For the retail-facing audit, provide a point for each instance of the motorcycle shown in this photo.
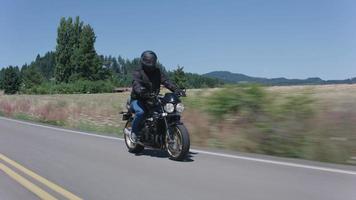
(162, 128)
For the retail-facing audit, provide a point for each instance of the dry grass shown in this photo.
(84, 111)
(329, 133)
(335, 107)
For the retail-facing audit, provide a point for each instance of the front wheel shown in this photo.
(178, 148)
(132, 147)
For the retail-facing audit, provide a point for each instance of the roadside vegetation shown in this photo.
(90, 112)
(309, 122)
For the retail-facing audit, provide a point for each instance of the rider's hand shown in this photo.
(145, 95)
(180, 93)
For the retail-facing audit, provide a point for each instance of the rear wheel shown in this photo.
(178, 149)
(132, 147)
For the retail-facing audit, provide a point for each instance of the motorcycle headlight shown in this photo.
(169, 108)
(180, 107)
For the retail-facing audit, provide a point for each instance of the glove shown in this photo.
(180, 93)
(144, 93)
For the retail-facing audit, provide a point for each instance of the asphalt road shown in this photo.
(100, 168)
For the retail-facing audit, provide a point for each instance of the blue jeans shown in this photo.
(139, 111)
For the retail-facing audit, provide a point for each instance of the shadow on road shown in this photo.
(163, 154)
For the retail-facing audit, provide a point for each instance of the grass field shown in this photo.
(90, 112)
(318, 125)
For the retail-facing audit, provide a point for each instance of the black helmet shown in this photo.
(148, 60)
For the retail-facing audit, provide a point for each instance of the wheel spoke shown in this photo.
(175, 149)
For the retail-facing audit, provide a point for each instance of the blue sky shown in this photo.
(274, 38)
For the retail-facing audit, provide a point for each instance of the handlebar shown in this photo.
(154, 95)
(181, 93)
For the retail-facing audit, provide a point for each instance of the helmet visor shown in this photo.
(149, 59)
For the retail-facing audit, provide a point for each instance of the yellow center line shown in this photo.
(40, 179)
(27, 184)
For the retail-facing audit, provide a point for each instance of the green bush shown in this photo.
(274, 125)
(285, 125)
(249, 99)
(81, 86)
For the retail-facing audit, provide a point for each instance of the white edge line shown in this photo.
(63, 130)
(289, 164)
(283, 163)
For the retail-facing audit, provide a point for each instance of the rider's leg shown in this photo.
(139, 117)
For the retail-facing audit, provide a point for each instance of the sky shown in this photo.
(274, 38)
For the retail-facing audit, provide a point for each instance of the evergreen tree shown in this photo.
(179, 77)
(115, 66)
(23, 68)
(2, 75)
(12, 81)
(31, 77)
(45, 65)
(121, 62)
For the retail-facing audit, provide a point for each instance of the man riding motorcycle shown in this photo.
(147, 80)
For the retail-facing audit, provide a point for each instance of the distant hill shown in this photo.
(229, 77)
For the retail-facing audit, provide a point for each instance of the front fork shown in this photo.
(164, 116)
(168, 132)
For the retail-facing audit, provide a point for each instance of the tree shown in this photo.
(2, 75)
(45, 65)
(11, 80)
(76, 57)
(121, 62)
(31, 77)
(64, 50)
(87, 62)
(179, 77)
(75, 42)
(115, 66)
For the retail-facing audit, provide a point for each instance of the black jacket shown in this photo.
(149, 82)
